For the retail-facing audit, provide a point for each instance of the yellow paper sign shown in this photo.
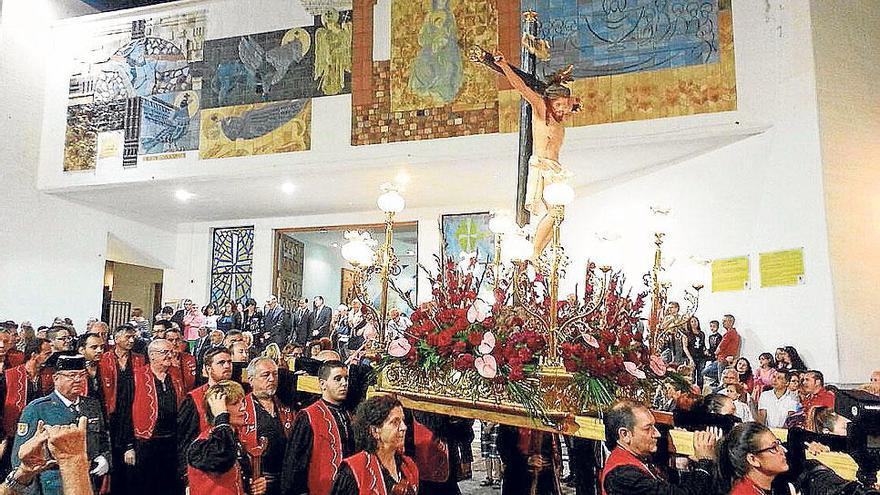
(730, 274)
(781, 268)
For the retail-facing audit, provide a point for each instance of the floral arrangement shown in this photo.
(503, 345)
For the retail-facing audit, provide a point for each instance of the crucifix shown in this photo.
(543, 110)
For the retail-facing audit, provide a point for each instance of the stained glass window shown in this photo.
(232, 264)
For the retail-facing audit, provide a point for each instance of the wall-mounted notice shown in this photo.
(780, 268)
(730, 274)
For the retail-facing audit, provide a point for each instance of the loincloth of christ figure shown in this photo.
(551, 103)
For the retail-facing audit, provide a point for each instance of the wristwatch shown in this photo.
(13, 484)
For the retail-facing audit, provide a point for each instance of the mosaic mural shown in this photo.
(232, 264)
(429, 66)
(684, 66)
(85, 122)
(256, 129)
(169, 123)
(301, 62)
(146, 58)
(465, 235)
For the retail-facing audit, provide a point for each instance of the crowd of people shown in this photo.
(191, 400)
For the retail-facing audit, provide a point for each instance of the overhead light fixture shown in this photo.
(183, 195)
(288, 188)
(402, 178)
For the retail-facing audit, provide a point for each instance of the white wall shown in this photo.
(53, 250)
(321, 267)
(847, 41)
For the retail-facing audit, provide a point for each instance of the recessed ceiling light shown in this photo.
(288, 187)
(410, 252)
(183, 195)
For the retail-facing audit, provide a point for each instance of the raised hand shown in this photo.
(67, 441)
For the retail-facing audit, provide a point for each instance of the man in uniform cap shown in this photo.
(63, 407)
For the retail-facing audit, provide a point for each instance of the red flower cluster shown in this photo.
(520, 348)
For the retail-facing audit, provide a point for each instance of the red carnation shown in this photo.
(464, 362)
(475, 338)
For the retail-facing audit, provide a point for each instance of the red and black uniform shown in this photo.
(626, 474)
(187, 371)
(117, 389)
(18, 390)
(154, 416)
(322, 434)
(438, 444)
(363, 474)
(276, 429)
(217, 461)
(191, 422)
(516, 446)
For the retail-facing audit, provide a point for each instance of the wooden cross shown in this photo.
(527, 64)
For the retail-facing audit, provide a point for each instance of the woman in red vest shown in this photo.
(217, 461)
(380, 468)
(749, 458)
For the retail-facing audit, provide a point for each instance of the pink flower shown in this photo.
(478, 311)
(591, 341)
(399, 347)
(486, 366)
(488, 343)
(634, 370)
(658, 365)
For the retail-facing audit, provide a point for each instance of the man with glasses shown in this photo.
(631, 434)
(64, 407)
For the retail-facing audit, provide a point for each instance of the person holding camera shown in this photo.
(749, 458)
(631, 434)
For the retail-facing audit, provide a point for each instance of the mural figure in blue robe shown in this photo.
(437, 70)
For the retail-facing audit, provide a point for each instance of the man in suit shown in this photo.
(63, 407)
(319, 321)
(274, 322)
(300, 323)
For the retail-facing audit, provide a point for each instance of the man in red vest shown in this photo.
(21, 385)
(266, 417)
(322, 437)
(631, 434)
(116, 369)
(157, 396)
(191, 421)
(217, 460)
(10, 357)
(184, 363)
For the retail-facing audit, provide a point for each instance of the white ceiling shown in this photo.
(469, 170)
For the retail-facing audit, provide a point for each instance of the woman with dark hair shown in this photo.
(211, 316)
(779, 356)
(746, 376)
(380, 467)
(252, 321)
(749, 458)
(794, 360)
(230, 318)
(696, 345)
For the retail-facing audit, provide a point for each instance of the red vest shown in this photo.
(620, 457)
(16, 398)
(745, 486)
(368, 473)
(188, 370)
(14, 357)
(109, 366)
(198, 398)
(204, 483)
(249, 434)
(145, 410)
(326, 448)
(431, 454)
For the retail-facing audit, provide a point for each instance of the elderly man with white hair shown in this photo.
(397, 325)
(267, 418)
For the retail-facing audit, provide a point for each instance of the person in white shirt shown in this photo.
(736, 391)
(776, 404)
(397, 325)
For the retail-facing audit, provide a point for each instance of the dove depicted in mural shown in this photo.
(169, 122)
(268, 67)
(260, 121)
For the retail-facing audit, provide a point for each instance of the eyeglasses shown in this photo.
(776, 448)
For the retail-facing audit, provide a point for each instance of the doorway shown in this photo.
(128, 289)
(308, 263)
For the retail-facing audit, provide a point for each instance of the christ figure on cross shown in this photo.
(551, 103)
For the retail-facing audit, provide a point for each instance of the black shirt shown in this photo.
(295, 472)
(271, 428)
(166, 421)
(121, 427)
(630, 480)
